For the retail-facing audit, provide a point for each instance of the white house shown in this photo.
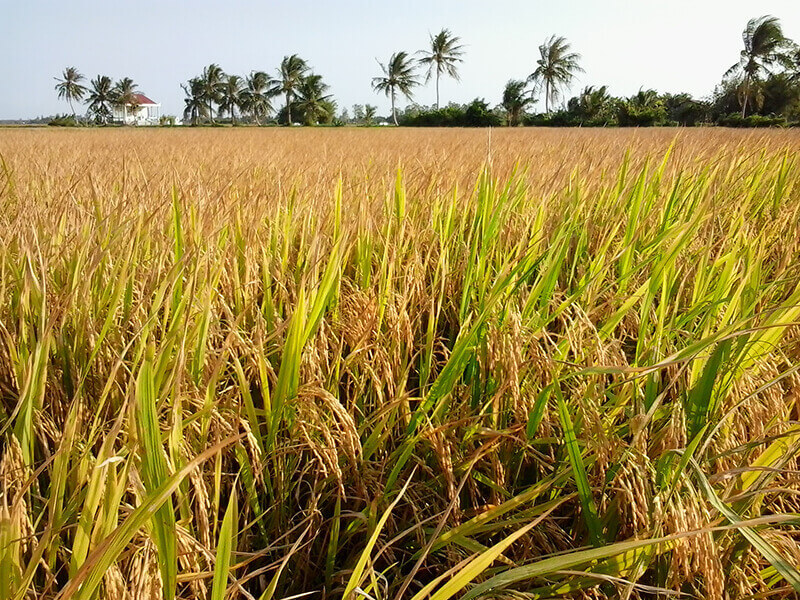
(141, 111)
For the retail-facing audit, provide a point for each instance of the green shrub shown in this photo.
(64, 121)
(475, 114)
(736, 120)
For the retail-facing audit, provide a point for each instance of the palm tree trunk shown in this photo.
(547, 97)
(210, 111)
(288, 108)
(233, 116)
(69, 99)
(746, 95)
(394, 112)
(437, 89)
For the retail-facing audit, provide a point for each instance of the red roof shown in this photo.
(141, 99)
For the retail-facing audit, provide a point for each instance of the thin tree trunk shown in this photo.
(394, 112)
(288, 108)
(547, 97)
(233, 116)
(70, 106)
(437, 89)
(746, 96)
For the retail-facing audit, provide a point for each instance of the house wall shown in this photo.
(147, 114)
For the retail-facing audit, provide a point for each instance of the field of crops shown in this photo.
(387, 363)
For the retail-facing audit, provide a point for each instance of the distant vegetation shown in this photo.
(761, 89)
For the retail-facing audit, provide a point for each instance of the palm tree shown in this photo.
(398, 75)
(259, 88)
(230, 95)
(124, 94)
(100, 98)
(515, 100)
(369, 113)
(195, 101)
(645, 99)
(311, 100)
(644, 109)
(556, 68)
(764, 46)
(795, 60)
(291, 72)
(69, 86)
(212, 79)
(592, 103)
(444, 55)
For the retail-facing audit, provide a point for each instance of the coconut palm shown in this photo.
(398, 75)
(515, 100)
(125, 94)
(369, 113)
(259, 89)
(230, 95)
(644, 109)
(212, 77)
(556, 68)
(750, 94)
(442, 58)
(794, 57)
(69, 86)
(101, 97)
(592, 103)
(311, 100)
(645, 99)
(195, 105)
(290, 73)
(764, 47)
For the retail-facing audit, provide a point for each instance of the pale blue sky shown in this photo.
(678, 45)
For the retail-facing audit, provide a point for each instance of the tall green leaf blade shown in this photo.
(154, 467)
(225, 547)
(579, 471)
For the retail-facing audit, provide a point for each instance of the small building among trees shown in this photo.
(139, 110)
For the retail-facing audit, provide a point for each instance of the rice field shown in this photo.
(399, 364)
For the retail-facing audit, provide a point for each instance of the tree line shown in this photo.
(761, 88)
(101, 97)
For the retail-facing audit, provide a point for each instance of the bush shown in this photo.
(565, 118)
(684, 110)
(475, 114)
(478, 114)
(64, 121)
(736, 120)
(630, 115)
(560, 118)
(449, 116)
